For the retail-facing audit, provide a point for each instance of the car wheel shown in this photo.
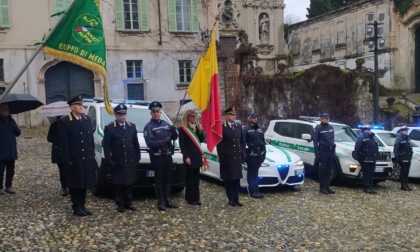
(99, 188)
(395, 171)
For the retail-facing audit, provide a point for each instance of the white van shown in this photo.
(139, 114)
(296, 135)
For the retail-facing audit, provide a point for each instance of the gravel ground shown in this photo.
(38, 218)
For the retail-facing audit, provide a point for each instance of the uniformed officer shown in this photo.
(158, 135)
(122, 154)
(366, 152)
(78, 152)
(231, 152)
(403, 153)
(255, 152)
(324, 148)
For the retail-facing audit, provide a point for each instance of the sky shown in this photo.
(296, 9)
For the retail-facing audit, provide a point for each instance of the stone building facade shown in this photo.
(338, 38)
(152, 50)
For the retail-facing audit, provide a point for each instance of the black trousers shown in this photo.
(405, 170)
(192, 184)
(326, 164)
(163, 169)
(78, 197)
(368, 168)
(253, 163)
(123, 195)
(232, 189)
(9, 165)
(62, 173)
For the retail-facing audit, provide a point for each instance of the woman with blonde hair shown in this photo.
(191, 135)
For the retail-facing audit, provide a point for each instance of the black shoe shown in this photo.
(256, 195)
(121, 209)
(238, 203)
(368, 190)
(87, 211)
(324, 191)
(79, 212)
(408, 188)
(171, 204)
(198, 203)
(330, 191)
(373, 190)
(64, 192)
(161, 205)
(130, 207)
(232, 203)
(404, 188)
(194, 203)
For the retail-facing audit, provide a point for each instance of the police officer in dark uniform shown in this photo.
(122, 154)
(366, 152)
(78, 152)
(255, 152)
(231, 152)
(324, 148)
(159, 135)
(403, 153)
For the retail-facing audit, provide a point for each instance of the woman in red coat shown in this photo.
(190, 137)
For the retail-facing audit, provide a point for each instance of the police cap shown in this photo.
(403, 128)
(325, 115)
(231, 110)
(366, 127)
(76, 100)
(120, 109)
(252, 114)
(155, 106)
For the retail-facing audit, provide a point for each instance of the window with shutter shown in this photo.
(132, 15)
(4, 14)
(182, 15)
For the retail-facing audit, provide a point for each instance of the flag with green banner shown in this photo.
(79, 38)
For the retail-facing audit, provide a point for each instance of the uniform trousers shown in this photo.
(9, 165)
(192, 184)
(232, 189)
(405, 170)
(326, 163)
(368, 168)
(163, 169)
(78, 197)
(253, 164)
(62, 173)
(123, 195)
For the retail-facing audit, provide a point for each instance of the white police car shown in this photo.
(296, 135)
(386, 140)
(139, 114)
(280, 168)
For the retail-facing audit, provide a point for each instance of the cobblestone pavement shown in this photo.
(38, 218)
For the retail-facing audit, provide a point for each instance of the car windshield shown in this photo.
(140, 117)
(389, 138)
(343, 133)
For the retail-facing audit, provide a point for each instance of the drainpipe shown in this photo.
(160, 24)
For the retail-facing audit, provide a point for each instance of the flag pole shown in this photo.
(15, 80)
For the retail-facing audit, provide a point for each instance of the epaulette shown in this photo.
(70, 117)
(128, 123)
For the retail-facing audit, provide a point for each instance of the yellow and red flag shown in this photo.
(79, 38)
(204, 92)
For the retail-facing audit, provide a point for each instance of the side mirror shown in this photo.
(307, 137)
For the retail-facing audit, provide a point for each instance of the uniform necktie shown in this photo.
(232, 126)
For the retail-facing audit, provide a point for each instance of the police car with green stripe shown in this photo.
(280, 168)
(139, 114)
(295, 135)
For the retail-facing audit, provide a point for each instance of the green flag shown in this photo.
(79, 38)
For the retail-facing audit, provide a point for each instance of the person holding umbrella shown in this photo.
(8, 147)
(77, 149)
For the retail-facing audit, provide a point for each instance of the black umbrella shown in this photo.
(19, 103)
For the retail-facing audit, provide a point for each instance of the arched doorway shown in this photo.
(66, 80)
(417, 64)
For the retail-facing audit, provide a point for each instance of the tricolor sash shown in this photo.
(191, 134)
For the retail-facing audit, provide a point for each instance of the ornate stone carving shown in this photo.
(228, 15)
(265, 49)
(263, 4)
(264, 27)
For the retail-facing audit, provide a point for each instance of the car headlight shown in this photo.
(298, 163)
(353, 167)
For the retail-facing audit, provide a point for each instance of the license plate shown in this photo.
(299, 172)
(150, 173)
(379, 169)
